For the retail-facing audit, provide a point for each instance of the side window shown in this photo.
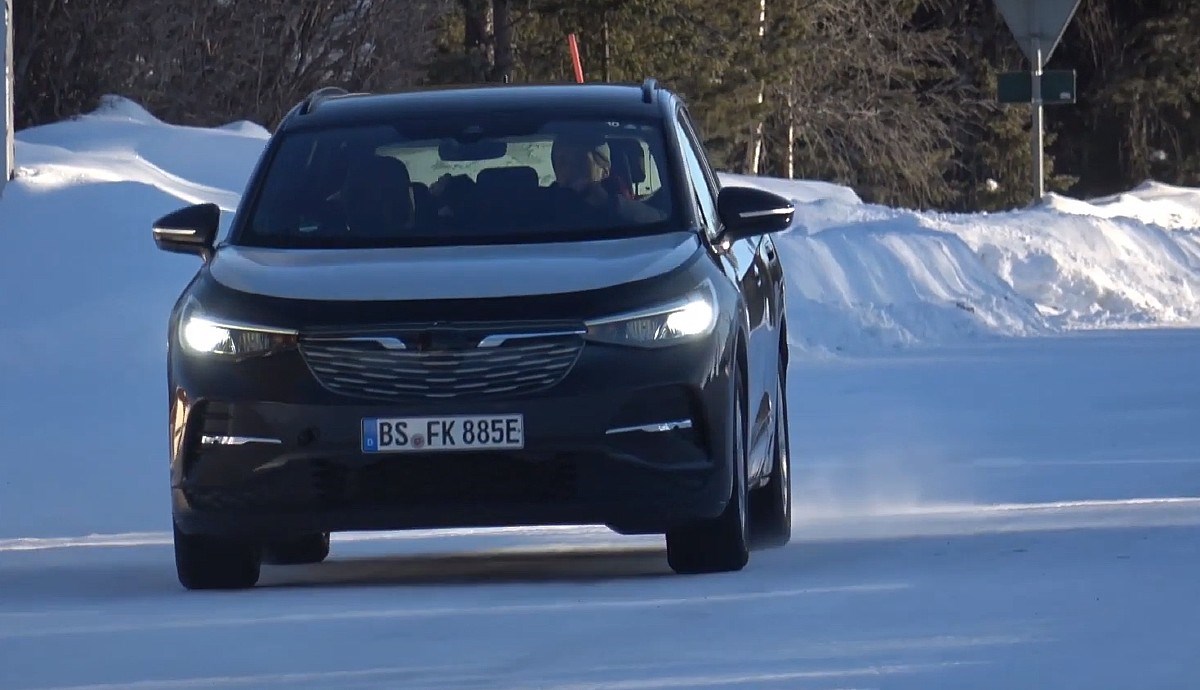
(714, 185)
(705, 195)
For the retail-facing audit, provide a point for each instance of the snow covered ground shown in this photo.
(998, 474)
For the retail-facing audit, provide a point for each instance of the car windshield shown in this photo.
(485, 179)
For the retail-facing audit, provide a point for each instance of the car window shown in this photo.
(705, 197)
(710, 176)
(457, 181)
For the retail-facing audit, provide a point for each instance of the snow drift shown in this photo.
(866, 277)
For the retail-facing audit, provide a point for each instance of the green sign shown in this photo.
(1058, 87)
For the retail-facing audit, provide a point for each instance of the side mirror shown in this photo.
(746, 212)
(190, 230)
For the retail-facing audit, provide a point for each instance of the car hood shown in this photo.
(449, 272)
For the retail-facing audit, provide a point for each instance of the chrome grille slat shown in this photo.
(502, 376)
(365, 369)
(350, 365)
(346, 380)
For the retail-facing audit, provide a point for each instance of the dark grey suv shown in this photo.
(510, 305)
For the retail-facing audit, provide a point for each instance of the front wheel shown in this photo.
(205, 562)
(720, 544)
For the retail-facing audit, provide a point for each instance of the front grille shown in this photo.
(367, 368)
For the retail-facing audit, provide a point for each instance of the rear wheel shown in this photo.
(205, 562)
(771, 505)
(310, 548)
(722, 543)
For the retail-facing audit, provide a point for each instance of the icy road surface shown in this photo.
(1012, 515)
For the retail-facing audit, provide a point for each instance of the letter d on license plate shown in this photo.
(438, 434)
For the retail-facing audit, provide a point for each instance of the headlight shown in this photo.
(203, 334)
(693, 316)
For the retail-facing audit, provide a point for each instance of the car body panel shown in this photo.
(436, 102)
(752, 265)
(438, 273)
(310, 464)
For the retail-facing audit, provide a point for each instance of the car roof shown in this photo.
(602, 99)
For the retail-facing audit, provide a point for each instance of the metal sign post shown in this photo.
(1038, 26)
(7, 153)
(1038, 144)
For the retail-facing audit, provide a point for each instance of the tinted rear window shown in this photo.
(493, 179)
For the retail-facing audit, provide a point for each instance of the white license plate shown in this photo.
(436, 434)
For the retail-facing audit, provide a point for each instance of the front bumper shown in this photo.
(307, 473)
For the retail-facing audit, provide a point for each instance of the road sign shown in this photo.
(1058, 87)
(1038, 26)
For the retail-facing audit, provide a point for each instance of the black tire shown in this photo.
(720, 544)
(310, 548)
(771, 505)
(204, 562)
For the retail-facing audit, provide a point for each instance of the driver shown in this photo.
(582, 164)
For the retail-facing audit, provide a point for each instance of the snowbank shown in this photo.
(83, 297)
(121, 142)
(866, 278)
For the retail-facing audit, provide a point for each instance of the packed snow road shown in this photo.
(1015, 514)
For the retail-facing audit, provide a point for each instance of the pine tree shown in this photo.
(1153, 95)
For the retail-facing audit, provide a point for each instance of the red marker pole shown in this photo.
(573, 43)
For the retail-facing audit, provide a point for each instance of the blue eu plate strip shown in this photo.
(370, 440)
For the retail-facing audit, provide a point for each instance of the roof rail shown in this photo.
(315, 98)
(649, 86)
